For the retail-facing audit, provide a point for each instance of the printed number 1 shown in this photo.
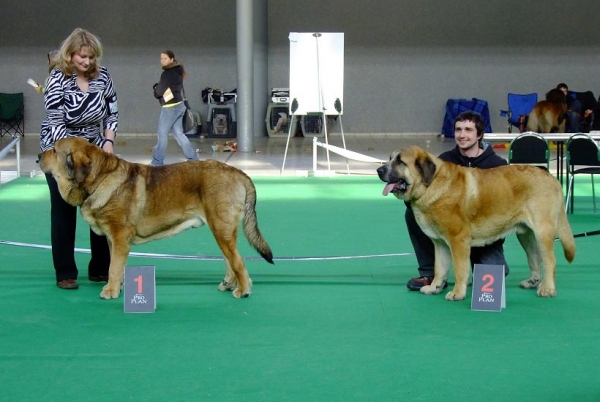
(487, 287)
(140, 281)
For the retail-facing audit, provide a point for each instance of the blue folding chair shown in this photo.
(454, 107)
(519, 106)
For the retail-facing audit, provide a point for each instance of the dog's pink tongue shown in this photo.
(388, 188)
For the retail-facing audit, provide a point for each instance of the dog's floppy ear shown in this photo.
(426, 167)
(78, 166)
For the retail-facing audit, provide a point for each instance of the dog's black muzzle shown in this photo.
(384, 173)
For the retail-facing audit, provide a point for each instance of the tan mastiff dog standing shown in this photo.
(460, 207)
(131, 203)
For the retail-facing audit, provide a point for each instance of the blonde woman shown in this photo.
(80, 101)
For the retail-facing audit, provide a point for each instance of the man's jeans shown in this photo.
(574, 117)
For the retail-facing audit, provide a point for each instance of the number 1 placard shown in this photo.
(139, 289)
(489, 293)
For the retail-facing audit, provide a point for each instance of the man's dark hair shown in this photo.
(562, 85)
(475, 118)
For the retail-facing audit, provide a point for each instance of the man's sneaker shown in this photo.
(418, 283)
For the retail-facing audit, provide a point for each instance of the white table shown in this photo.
(560, 139)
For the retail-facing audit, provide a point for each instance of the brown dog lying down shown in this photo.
(132, 203)
(460, 207)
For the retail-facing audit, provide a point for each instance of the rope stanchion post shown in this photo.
(294, 107)
(315, 154)
(338, 107)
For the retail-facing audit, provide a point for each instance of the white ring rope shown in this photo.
(209, 257)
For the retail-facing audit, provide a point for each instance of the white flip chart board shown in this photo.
(316, 72)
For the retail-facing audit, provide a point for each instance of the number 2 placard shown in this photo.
(139, 289)
(489, 293)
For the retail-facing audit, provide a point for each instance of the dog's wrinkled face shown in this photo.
(69, 164)
(67, 160)
(406, 170)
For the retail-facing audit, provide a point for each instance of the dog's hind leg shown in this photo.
(530, 245)
(223, 217)
(230, 282)
(240, 274)
(545, 236)
(234, 265)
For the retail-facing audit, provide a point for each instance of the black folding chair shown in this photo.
(529, 148)
(583, 157)
(12, 117)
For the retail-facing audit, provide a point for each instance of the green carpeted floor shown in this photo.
(313, 330)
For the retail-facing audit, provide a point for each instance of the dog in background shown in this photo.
(131, 203)
(220, 125)
(549, 116)
(460, 207)
(281, 122)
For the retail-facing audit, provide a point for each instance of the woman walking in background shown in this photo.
(169, 92)
(80, 101)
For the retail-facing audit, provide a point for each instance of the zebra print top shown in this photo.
(70, 112)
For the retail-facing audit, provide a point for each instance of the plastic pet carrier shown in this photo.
(278, 119)
(221, 121)
(312, 125)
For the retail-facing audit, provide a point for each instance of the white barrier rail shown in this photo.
(343, 152)
(15, 143)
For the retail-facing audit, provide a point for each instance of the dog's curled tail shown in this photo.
(251, 230)
(565, 235)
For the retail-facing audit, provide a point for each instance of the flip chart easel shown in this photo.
(316, 78)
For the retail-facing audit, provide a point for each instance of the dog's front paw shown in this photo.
(530, 283)
(546, 291)
(430, 290)
(110, 292)
(454, 295)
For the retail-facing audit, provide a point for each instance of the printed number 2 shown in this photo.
(140, 281)
(486, 287)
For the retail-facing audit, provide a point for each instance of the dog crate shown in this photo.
(278, 119)
(312, 125)
(221, 121)
(280, 95)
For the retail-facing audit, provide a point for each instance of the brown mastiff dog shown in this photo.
(131, 203)
(460, 207)
(549, 116)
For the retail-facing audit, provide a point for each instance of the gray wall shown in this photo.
(403, 59)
